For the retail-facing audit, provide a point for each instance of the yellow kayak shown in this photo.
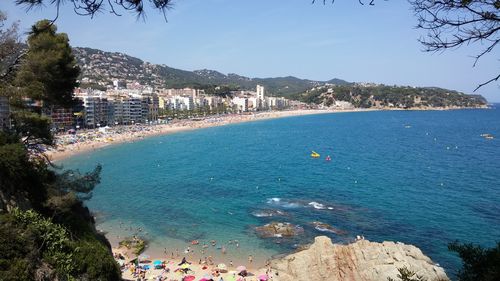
(315, 155)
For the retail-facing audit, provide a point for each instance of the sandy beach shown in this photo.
(170, 268)
(68, 145)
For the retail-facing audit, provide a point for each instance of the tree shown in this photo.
(369, 2)
(49, 71)
(477, 263)
(9, 47)
(42, 215)
(91, 7)
(451, 24)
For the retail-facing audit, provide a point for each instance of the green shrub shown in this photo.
(93, 261)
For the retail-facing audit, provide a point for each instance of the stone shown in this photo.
(359, 261)
(279, 229)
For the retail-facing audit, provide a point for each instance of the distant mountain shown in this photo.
(100, 68)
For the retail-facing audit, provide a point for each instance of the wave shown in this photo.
(317, 205)
(283, 203)
(268, 213)
(323, 229)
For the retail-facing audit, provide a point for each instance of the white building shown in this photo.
(260, 92)
(240, 103)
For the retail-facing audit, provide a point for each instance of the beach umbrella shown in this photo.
(157, 263)
(222, 266)
(189, 278)
(241, 268)
(263, 277)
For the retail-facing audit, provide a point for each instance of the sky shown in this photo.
(274, 38)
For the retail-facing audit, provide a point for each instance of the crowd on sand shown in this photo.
(175, 268)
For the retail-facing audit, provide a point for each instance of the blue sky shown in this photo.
(270, 38)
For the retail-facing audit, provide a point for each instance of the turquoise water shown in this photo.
(420, 177)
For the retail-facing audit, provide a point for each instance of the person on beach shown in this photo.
(184, 261)
(231, 263)
(250, 259)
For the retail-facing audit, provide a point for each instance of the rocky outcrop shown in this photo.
(279, 229)
(359, 261)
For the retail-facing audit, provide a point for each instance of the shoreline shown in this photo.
(94, 140)
(138, 132)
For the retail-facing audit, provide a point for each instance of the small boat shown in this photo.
(487, 136)
(328, 158)
(314, 154)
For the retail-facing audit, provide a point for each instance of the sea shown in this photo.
(425, 178)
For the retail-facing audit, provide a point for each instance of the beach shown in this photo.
(170, 266)
(68, 145)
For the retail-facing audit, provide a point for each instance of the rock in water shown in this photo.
(359, 261)
(278, 229)
(321, 226)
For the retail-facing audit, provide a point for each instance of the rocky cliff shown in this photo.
(359, 261)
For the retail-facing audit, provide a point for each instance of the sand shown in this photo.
(197, 269)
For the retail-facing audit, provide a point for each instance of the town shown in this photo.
(132, 103)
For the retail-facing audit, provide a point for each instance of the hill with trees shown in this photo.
(100, 68)
(383, 96)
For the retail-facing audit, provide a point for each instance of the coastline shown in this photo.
(130, 134)
(156, 252)
(66, 150)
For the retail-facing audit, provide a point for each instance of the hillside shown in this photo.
(100, 68)
(371, 95)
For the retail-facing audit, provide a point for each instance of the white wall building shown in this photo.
(241, 103)
(260, 92)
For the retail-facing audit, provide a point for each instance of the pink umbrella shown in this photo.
(241, 268)
(188, 278)
(263, 277)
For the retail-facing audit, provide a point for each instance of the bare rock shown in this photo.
(279, 229)
(359, 261)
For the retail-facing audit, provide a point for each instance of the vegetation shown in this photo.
(49, 70)
(136, 244)
(366, 96)
(101, 68)
(46, 233)
(455, 23)
(478, 263)
(407, 275)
